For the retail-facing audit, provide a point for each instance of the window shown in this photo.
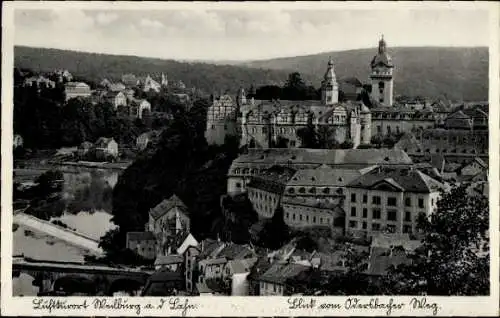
(314, 219)
(420, 202)
(376, 213)
(353, 211)
(326, 190)
(365, 198)
(300, 217)
(407, 229)
(391, 228)
(408, 201)
(353, 197)
(391, 201)
(292, 143)
(302, 190)
(392, 215)
(321, 220)
(312, 190)
(307, 218)
(365, 213)
(264, 130)
(291, 190)
(238, 185)
(379, 129)
(375, 227)
(376, 200)
(288, 215)
(407, 216)
(293, 216)
(364, 225)
(353, 224)
(225, 127)
(213, 126)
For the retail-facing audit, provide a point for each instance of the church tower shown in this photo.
(329, 86)
(381, 75)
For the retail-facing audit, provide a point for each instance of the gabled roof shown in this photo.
(324, 175)
(103, 142)
(240, 266)
(189, 241)
(166, 205)
(169, 259)
(140, 236)
(213, 261)
(404, 179)
(280, 273)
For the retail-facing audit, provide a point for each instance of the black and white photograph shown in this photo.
(250, 151)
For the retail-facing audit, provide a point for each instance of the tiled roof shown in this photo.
(388, 241)
(259, 267)
(240, 266)
(331, 262)
(169, 259)
(213, 261)
(381, 259)
(208, 246)
(324, 175)
(405, 179)
(140, 236)
(292, 156)
(235, 251)
(310, 202)
(166, 205)
(273, 179)
(281, 273)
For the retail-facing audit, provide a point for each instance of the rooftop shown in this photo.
(397, 179)
(280, 273)
(166, 205)
(169, 259)
(291, 156)
(325, 175)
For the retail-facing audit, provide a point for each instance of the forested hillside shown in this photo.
(95, 67)
(456, 73)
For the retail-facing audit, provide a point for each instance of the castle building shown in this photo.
(222, 119)
(381, 75)
(275, 123)
(265, 124)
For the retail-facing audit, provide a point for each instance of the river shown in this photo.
(88, 198)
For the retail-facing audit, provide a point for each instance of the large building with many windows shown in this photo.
(389, 199)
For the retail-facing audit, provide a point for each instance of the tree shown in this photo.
(275, 232)
(454, 256)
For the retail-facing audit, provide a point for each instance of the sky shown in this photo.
(243, 34)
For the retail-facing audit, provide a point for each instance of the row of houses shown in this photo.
(211, 267)
(358, 192)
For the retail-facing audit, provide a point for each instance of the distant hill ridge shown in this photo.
(455, 73)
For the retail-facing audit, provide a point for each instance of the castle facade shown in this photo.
(268, 124)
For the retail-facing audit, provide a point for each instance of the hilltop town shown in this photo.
(272, 190)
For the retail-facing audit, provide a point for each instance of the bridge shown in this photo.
(51, 275)
(68, 235)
